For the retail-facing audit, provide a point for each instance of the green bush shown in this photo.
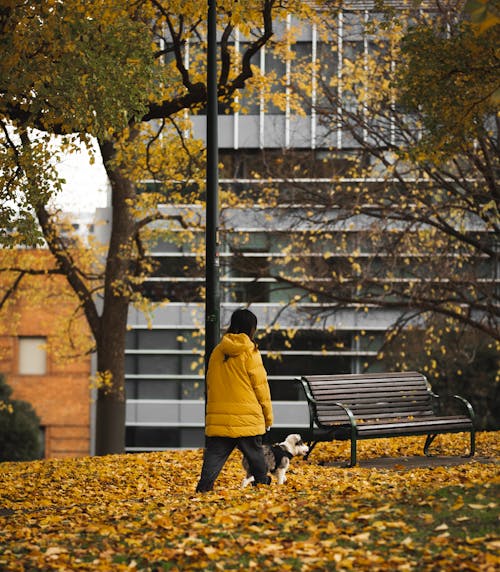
(19, 428)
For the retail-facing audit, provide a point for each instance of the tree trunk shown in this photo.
(111, 338)
(110, 424)
(110, 410)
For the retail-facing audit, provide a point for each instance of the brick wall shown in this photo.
(60, 396)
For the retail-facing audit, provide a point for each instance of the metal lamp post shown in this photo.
(212, 293)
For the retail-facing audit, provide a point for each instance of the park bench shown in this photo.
(375, 405)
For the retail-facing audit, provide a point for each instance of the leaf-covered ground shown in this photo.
(140, 512)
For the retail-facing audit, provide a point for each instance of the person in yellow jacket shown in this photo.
(238, 409)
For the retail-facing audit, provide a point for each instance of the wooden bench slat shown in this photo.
(353, 379)
(377, 384)
(374, 413)
(369, 418)
(379, 400)
(370, 391)
(433, 422)
(374, 396)
(359, 385)
(416, 404)
(380, 403)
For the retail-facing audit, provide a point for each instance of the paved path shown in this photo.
(416, 462)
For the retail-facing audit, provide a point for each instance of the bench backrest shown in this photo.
(370, 396)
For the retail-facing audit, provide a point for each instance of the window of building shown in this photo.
(180, 291)
(154, 438)
(32, 356)
(275, 67)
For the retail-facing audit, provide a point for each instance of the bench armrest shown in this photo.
(466, 404)
(349, 413)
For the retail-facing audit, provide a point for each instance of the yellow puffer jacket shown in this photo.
(238, 396)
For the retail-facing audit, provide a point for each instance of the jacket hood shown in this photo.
(236, 344)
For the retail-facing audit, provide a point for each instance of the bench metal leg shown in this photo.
(353, 451)
(428, 441)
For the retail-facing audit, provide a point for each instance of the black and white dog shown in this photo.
(278, 458)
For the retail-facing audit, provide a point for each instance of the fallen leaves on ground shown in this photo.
(140, 512)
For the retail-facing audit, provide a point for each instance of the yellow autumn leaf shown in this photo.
(408, 542)
(427, 518)
(362, 537)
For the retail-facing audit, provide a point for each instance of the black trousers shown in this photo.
(217, 451)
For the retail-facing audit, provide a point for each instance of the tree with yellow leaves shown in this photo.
(126, 74)
(408, 220)
(450, 74)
